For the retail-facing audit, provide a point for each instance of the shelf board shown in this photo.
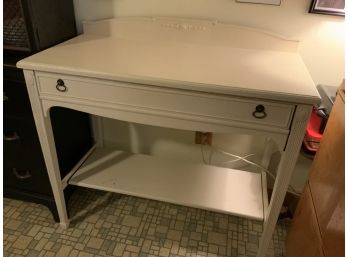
(195, 185)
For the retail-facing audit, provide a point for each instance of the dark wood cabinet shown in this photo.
(29, 27)
(33, 25)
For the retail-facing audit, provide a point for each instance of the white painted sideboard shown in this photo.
(195, 75)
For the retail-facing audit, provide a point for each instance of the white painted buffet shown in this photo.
(195, 75)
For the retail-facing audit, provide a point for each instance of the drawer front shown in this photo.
(165, 100)
(24, 167)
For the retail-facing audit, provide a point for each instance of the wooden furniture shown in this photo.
(318, 224)
(31, 26)
(187, 74)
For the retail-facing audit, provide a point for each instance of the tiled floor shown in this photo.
(107, 224)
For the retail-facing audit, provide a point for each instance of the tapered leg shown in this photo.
(44, 129)
(284, 173)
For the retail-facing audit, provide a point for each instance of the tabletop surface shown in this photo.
(192, 55)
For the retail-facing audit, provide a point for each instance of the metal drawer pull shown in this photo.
(259, 112)
(5, 98)
(60, 86)
(21, 174)
(11, 136)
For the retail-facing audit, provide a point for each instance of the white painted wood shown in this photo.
(270, 2)
(264, 192)
(196, 185)
(167, 120)
(194, 31)
(284, 173)
(97, 130)
(267, 153)
(45, 133)
(162, 118)
(178, 102)
(77, 166)
(179, 63)
(186, 74)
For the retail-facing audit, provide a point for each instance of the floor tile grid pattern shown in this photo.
(109, 224)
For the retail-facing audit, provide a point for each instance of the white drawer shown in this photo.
(178, 101)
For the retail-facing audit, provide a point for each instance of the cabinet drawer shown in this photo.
(162, 100)
(15, 99)
(24, 167)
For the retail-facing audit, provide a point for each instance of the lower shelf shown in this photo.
(196, 185)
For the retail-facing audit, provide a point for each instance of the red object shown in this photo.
(312, 137)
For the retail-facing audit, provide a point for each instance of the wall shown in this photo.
(321, 47)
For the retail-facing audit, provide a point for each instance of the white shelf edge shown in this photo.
(201, 186)
(77, 166)
(264, 192)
